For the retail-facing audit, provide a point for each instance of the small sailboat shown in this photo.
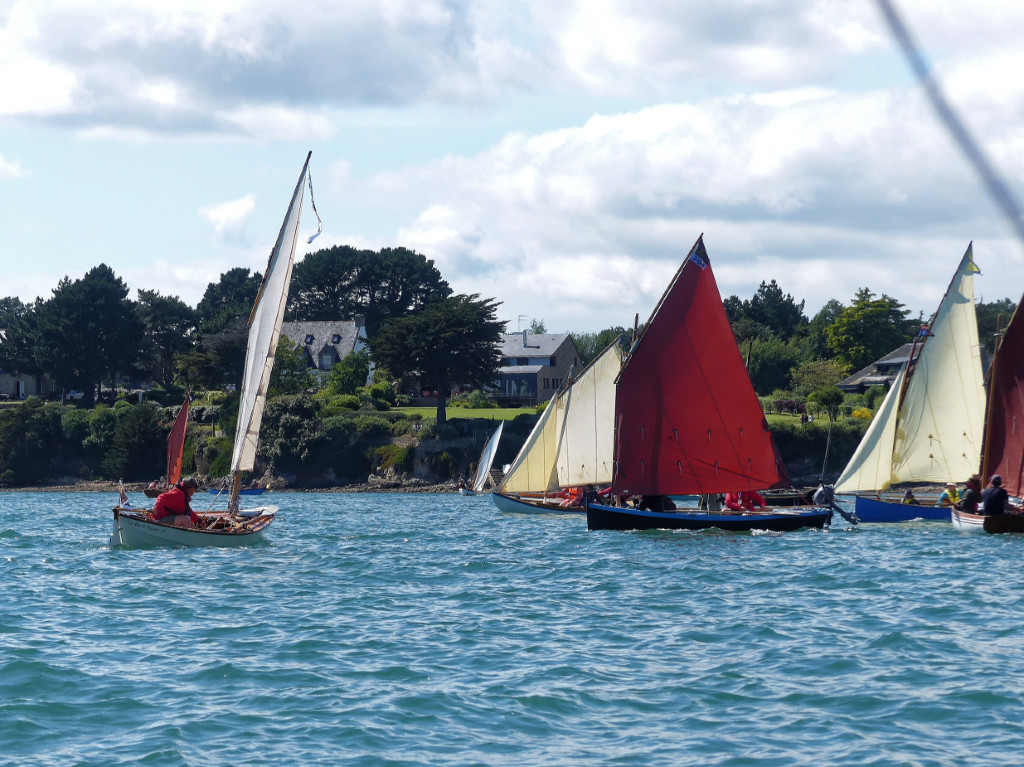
(929, 427)
(235, 526)
(1003, 449)
(688, 422)
(570, 447)
(175, 452)
(483, 468)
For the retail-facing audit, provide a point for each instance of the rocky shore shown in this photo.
(375, 485)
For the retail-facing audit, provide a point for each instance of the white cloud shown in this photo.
(229, 217)
(11, 168)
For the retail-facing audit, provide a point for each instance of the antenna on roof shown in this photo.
(519, 321)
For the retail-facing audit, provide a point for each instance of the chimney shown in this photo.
(524, 338)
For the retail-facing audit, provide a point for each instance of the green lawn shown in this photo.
(495, 413)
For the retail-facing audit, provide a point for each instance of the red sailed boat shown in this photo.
(1002, 452)
(175, 452)
(688, 421)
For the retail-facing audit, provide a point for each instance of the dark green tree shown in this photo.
(30, 436)
(139, 445)
(198, 370)
(170, 326)
(993, 317)
(341, 282)
(232, 296)
(19, 350)
(868, 329)
(782, 315)
(770, 363)
(89, 331)
(817, 329)
(451, 342)
(817, 374)
(11, 308)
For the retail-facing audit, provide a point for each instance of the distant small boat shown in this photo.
(175, 452)
(483, 468)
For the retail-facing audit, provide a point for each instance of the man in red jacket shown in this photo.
(173, 507)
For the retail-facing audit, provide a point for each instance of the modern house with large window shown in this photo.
(534, 367)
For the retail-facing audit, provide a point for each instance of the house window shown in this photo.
(554, 362)
(326, 360)
(309, 340)
(547, 383)
(336, 338)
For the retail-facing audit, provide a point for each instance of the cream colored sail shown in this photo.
(264, 332)
(533, 470)
(932, 434)
(588, 432)
(870, 468)
(942, 416)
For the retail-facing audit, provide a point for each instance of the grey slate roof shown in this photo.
(351, 337)
(537, 344)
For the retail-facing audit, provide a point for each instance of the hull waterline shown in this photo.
(778, 520)
(133, 528)
(876, 510)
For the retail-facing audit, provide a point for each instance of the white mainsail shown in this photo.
(938, 419)
(264, 332)
(586, 450)
(486, 459)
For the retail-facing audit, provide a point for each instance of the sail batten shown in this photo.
(688, 419)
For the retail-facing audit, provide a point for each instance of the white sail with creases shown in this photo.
(929, 427)
(264, 332)
(870, 468)
(533, 470)
(942, 416)
(486, 459)
(587, 446)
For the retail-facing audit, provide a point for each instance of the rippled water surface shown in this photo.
(431, 629)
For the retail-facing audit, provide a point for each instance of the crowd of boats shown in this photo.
(652, 437)
(677, 417)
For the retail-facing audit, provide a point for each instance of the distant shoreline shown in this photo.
(138, 487)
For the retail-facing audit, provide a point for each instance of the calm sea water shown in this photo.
(433, 630)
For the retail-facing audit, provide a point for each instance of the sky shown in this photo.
(560, 157)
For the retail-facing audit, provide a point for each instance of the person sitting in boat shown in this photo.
(174, 507)
(655, 503)
(994, 499)
(972, 495)
(154, 484)
(748, 500)
(909, 499)
(949, 496)
(462, 484)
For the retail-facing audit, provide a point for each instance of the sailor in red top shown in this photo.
(748, 499)
(173, 508)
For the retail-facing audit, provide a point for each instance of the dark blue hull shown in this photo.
(875, 510)
(778, 520)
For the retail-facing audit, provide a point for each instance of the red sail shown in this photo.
(1003, 451)
(176, 445)
(687, 417)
